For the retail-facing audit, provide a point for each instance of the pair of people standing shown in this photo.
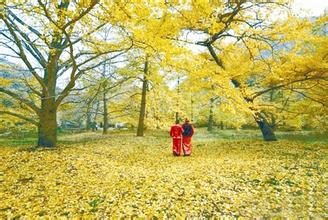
(181, 136)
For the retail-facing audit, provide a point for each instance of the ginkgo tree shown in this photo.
(218, 21)
(54, 40)
(236, 34)
(149, 26)
(297, 73)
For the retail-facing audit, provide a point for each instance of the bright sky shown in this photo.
(310, 7)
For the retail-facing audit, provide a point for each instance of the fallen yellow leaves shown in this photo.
(127, 176)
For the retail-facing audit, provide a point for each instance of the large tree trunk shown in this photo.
(267, 131)
(210, 117)
(140, 131)
(105, 119)
(47, 128)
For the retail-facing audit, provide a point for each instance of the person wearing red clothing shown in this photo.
(188, 132)
(176, 134)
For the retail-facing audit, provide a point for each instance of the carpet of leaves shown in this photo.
(126, 176)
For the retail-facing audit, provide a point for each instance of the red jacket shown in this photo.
(176, 131)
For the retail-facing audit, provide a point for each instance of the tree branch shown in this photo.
(32, 121)
(257, 94)
(29, 45)
(22, 53)
(21, 99)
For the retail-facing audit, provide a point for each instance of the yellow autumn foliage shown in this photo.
(124, 176)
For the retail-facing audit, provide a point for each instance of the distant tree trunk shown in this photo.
(210, 117)
(96, 113)
(105, 128)
(105, 111)
(140, 130)
(88, 118)
(88, 121)
(267, 131)
(221, 125)
(88, 112)
(191, 109)
(177, 116)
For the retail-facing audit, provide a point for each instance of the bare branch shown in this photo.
(30, 120)
(21, 99)
(22, 53)
(257, 94)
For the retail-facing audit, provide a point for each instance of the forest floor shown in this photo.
(235, 175)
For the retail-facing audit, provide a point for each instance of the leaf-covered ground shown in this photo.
(129, 176)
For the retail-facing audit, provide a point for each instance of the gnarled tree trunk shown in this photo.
(267, 131)
(88, 121)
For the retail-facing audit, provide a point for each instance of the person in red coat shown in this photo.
(176, 134)
(188, 132)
